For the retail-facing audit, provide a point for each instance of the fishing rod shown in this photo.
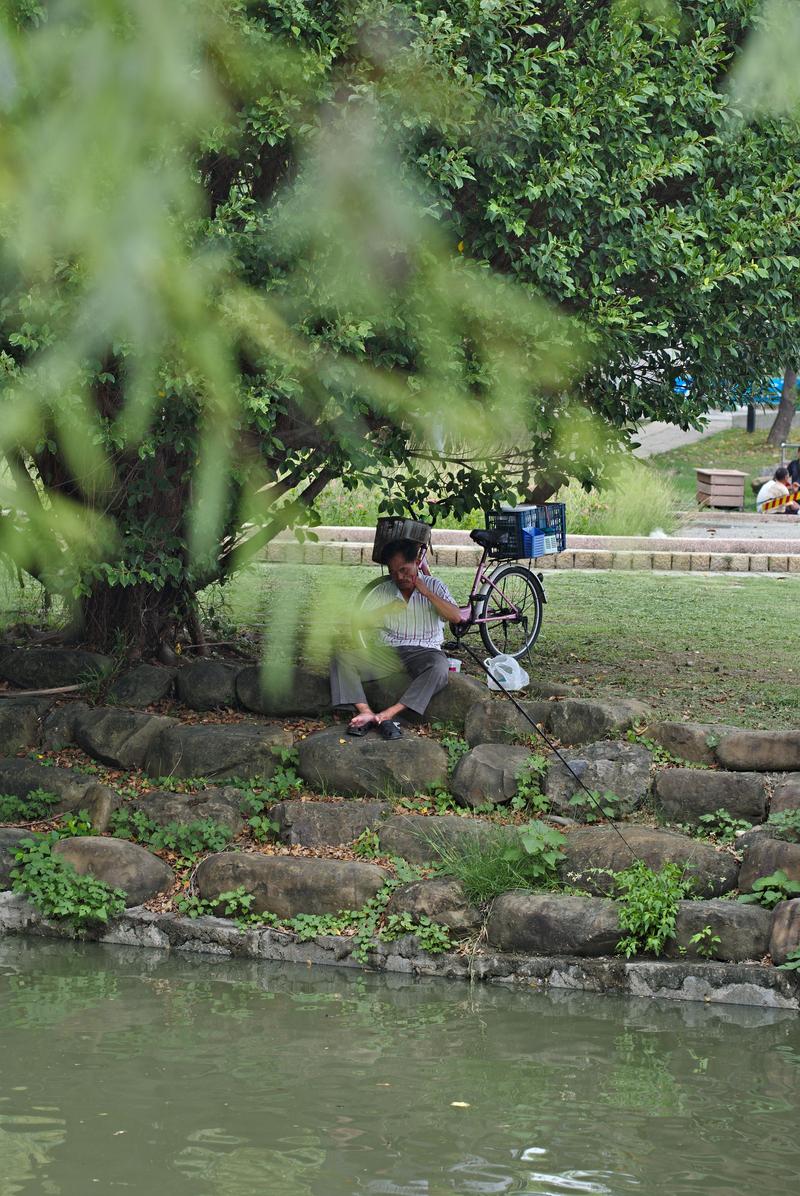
(550, 744)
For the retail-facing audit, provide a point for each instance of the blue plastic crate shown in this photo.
(538, 542)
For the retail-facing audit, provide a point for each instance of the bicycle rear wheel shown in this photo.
(513, 588)
(365, 637)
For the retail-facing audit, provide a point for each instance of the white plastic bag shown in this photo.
(507, 670)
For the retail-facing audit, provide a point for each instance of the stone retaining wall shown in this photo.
(712, 983)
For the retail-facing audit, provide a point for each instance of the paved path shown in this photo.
(658, 437)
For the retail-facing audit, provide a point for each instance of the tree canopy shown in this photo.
(249, 248)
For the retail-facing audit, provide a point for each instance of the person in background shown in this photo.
(778, 487)
(410, 610)
(794, 469)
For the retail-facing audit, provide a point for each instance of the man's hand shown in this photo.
(448, 610)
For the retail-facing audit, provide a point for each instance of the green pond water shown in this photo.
(139, 1072)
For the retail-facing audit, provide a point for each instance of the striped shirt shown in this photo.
(412, 624)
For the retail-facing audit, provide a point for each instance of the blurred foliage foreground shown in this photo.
(249, 248)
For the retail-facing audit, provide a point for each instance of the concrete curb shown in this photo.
(712, 983)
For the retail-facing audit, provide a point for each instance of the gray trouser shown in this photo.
(427, 666)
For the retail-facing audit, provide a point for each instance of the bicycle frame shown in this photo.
(481, 582)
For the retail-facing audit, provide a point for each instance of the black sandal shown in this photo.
(390, 730)
(357, 732)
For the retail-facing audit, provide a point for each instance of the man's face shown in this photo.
(403, 573)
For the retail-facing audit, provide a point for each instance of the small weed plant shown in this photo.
(662, 756)
(722, 826)
(367, 846)
(529, 796)
(792, 961)
(499, 859)
(36, 805)
(187, 840)
(787, 824)
(263, 828)
(705, 942)
(454, 744)
(58, 891)
(769, 890)
(235, 903)
(648, 906)
(76, 826)
(594, 807)
(284, 784)
(438, 801)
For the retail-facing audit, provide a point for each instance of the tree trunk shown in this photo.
(135, 620)
(782, 424)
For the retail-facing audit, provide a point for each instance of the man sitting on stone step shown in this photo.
(410, 610)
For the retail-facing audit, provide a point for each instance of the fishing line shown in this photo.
(551, 745)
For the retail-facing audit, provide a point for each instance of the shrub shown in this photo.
(648, 903)
(35, 805)
(58, 891)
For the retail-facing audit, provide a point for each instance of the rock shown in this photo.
(695, 742)
(786, 796)
(440, 900)
(495, 721)
(575, 720)
(219, 805)
(100, 802)
(742, 930)
(785, 930)
(47, 668)
(488, 774)
(306, 693)
(450, 705)
(550, 924)
(600, 847)
(550, 689)
(767, 856)
(142, 685)
(207, 684)
(287, 886)
(415, 837)
(120, 738)
(760, 751)
(620, 768)
(216, 750)
(326, 824)
(10, 839)
(685, 794)
(453, 703)
(58, 727)
(121, 864)
(336, 762)
(21, 723)
(756, 833)
(21, 777)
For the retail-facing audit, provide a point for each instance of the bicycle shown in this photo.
(506, 599)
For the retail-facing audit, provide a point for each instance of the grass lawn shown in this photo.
(703, 647)
(734, 449)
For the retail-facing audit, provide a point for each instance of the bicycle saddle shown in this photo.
(484, 537)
